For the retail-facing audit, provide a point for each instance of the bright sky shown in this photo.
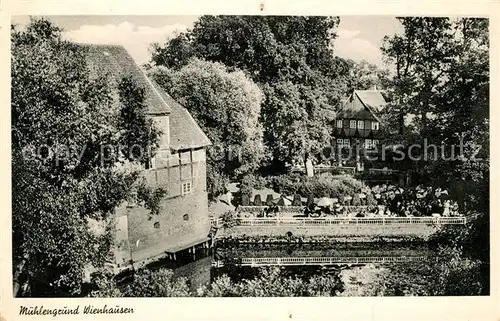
(359, 37)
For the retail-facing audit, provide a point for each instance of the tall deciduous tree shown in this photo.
(63, 189)
(139, 137)
(291, 57)
(442, 78)
(364, 75)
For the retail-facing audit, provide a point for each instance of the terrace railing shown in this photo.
(268, 261)
(350, 220)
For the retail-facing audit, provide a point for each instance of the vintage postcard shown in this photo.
(323, 155)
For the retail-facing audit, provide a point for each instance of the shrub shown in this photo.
(310, 200)
(318, 186)
(356, 201)
(297, 200)
(257, 200)
(269, 200)
(245, 200)
(160, 283)
(370, 200)
(229, 219)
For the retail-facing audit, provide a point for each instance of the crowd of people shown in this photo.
(382, 200)
(418, 201)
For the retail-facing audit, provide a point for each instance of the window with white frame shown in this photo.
(187, 188)
(339, 123)
(368, 143)
(375, 125)
(361, 124)
(340, 143)
(352, 124)
(347, 143)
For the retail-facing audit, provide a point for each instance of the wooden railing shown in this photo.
(267, 261)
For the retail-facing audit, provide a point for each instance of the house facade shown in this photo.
(357, 124)
(179, 167)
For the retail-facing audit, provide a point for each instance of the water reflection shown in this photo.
(300, 260)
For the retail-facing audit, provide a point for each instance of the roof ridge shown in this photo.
(97, 44)
(369, 108)
(150, 82)
(195, 123)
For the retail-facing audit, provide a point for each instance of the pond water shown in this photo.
(303, 261)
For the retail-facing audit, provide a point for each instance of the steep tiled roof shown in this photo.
(371, 103)
(372, 99)
(184, 131)
(115, 62)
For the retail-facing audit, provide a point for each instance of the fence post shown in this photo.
(383, 220)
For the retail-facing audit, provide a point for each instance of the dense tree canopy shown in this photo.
(292, 60)
(63, 187)
(442, 80)
(364, 75)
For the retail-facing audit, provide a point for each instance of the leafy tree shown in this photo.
(226, 104)
(61, 182)
(176, 54)
(364, 75)
(139, 137)
(442, 79)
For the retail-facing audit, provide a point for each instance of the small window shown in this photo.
(185, 217)
(352, 124)
(187, 188)
(347, 143)
(340, 143)
(156, 225)
(339, 123)
(368, 144)
(361, 124)
(375, 125)
(375, 142)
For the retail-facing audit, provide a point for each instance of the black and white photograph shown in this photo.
(249, 156)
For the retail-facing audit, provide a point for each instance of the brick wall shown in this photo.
(183, 219)
(171, 228)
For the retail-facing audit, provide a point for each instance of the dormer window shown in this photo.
(361, 124)
(375, 125)
(352, 124)
(339, 123)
